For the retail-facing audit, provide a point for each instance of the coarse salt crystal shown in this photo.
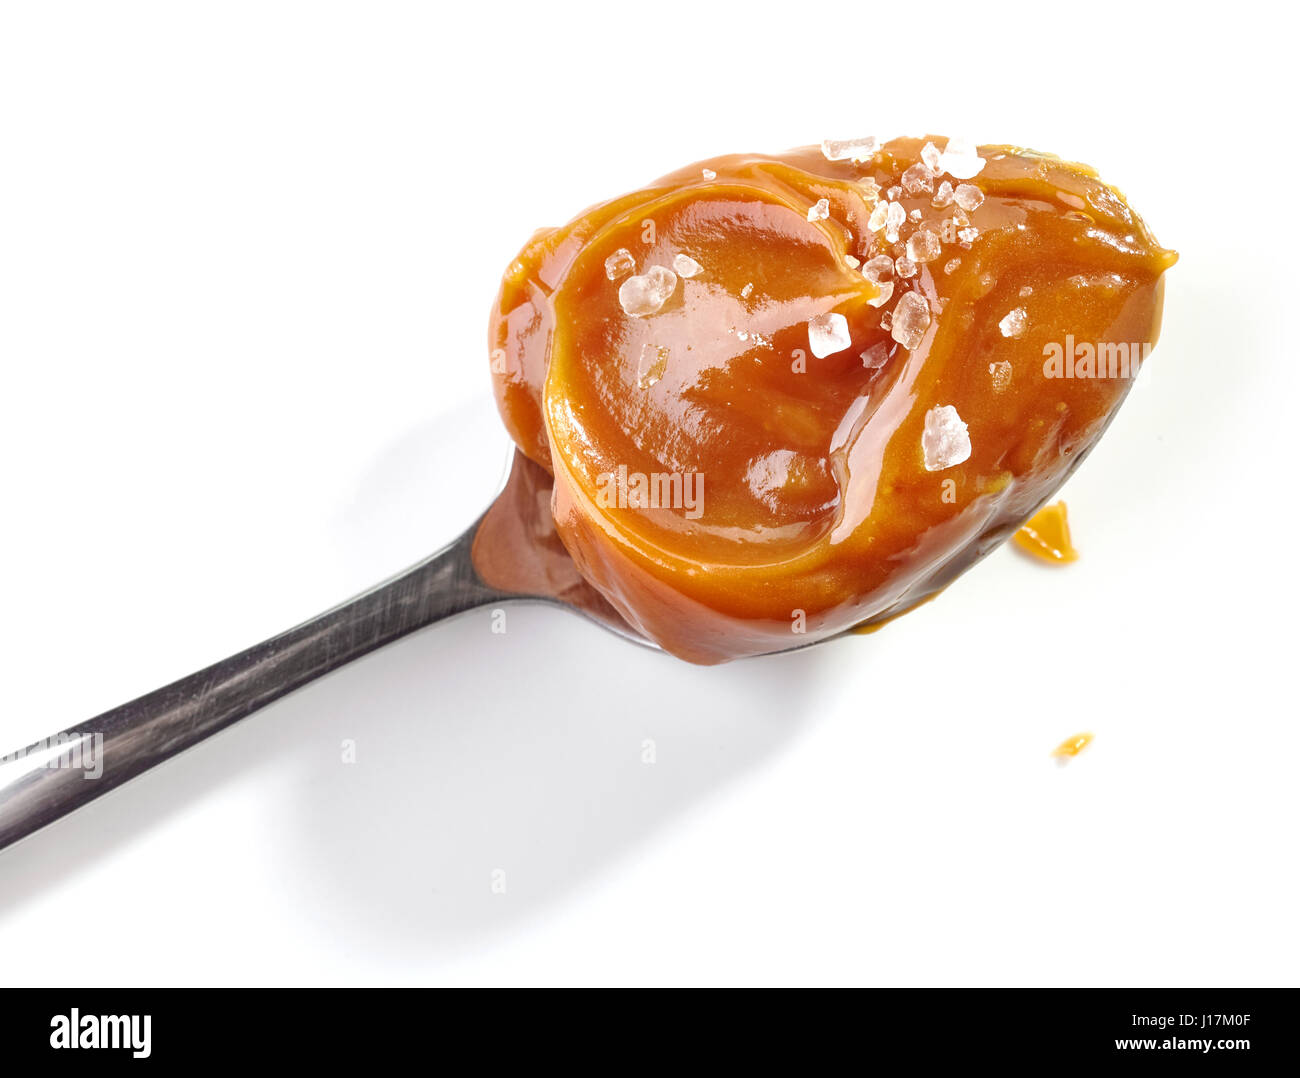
(923, 246)
(918, 180)
(968, 196)
(647, 293)
(875, 356)
(951, 265)
(911, 320)
(905, 267)
(854, 149)
(894, 221)
(1013, 323)
(960, 160)
(931, 156)
(651, 365)
(1001, 371)
(942, 197)
(708, 174)
(968, 235)
(619, 263)
(820, 210)
(879, 215)
(879, 271)
(893, 193)
(852, 261)
(686, 266)
(828, 334)
(945, 441)
(744, 292)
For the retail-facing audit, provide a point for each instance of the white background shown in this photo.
(247, 253)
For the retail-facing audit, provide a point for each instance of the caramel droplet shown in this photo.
(1072, 746)
(1046, 535)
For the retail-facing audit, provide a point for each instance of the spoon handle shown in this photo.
(55, 776)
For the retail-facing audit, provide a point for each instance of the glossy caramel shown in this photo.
(1072, 746)
(1046, 535)
(818, 511)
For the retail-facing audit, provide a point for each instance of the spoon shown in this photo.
(510, 553)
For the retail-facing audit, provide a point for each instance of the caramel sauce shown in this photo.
(1072, 746)
(1046, 535)
(753, 443)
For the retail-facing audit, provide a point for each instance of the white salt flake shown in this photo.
(647, 293)
(619, 263)
(879, 271)
(942, 197)
(894, 221)
(828, 334)
(911, 320)
(923, 246)
(852, 262)
(915, 215)
(854, 149)
(651, 365)
(1026, 290)
(951, 265)
(968, 235)
(894, 193)
(686, 266)
(960, 160)
(1001, 371)
(968, 196)
(708, 174)
(820, 210)
(918, 180)
(931, 156)
(744, 292)
(1014, 322)
(945, 442)
(875, 356)
(878, 216)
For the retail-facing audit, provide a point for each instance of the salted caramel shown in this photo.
(783, 396)
(1046, 535)
(1072, 746)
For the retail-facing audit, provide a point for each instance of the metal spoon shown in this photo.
(510, 553)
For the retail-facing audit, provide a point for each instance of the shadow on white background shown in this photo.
(494, 773)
